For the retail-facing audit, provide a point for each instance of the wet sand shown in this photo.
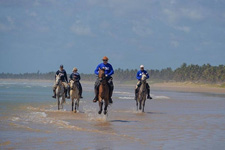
(172, 120)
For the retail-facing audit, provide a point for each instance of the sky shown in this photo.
(40, 35)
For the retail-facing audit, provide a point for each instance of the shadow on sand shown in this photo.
(155, 113)
(123, 121)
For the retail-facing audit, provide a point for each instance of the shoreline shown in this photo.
(169, 86)
(188, 87)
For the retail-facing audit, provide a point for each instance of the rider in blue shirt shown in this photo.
(138, 76)
(75, 76)
(63, 77)
(108, 72)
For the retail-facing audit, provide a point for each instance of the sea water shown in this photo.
(29, 119)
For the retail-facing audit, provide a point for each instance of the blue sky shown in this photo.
(42, 34)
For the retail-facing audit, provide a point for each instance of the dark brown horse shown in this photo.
(103, 92)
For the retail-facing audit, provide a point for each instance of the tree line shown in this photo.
(194, 73)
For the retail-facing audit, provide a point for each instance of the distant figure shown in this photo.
(63, 77)
(139, 75)
(108, 72)
(75, 76)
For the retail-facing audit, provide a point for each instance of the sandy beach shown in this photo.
(171, 86)
(188, 87)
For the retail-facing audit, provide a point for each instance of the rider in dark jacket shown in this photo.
(63, 77)
(75, 76)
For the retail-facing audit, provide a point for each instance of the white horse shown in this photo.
(60, 92)
(142, 93)
(74, 95)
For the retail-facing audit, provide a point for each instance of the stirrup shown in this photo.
(53, 96)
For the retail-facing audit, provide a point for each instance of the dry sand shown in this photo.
(188, 87)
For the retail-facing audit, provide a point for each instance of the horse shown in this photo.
(74, 95)
(60, 92)
(103, 91)
(142, 93)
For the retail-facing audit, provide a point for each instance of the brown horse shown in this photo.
(103, 92)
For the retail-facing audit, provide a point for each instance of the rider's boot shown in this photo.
(54, 94)
(110, 96)
(65, 91)
(96, 96)
(149, 97)
(110, 93)
(80, 92)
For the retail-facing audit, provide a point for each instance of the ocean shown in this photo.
(29, 119)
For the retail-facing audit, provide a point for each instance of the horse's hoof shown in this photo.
(105, 112)
(75, 111)
(99, 112)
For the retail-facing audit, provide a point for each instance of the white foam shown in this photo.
(15, 119)
(126, 97)
(118, 92)
(92, 113)
(160, 97)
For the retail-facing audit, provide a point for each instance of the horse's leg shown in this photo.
(100, 107)
(143, 109)
(62, 102)
(105, 108)
(78, 100)
(58, 102)
(137, 104)
(140, 102)
(72, 103)
(75, 110)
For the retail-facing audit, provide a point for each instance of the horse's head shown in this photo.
(72, 84)
(101, 74)
(57, 79)
(143, 77)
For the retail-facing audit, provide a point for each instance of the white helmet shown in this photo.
(141, 66)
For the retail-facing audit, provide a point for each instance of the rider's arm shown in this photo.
(147, 75)
(138, 75)
(57, 73)
(71, 78)
(65, 74)
(111, 70)
(78, 76)
(96, 70)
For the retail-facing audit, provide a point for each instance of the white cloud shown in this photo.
(174, 43)
(171, 15)
(81, 30)
(141, 27)
(8, 25)
(184, 29)
(191, 13)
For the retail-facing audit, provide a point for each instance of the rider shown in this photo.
(63, 77)
(139, 74)
(108, 72)
(75, 76)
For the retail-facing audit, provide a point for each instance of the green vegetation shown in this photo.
(185, 73)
